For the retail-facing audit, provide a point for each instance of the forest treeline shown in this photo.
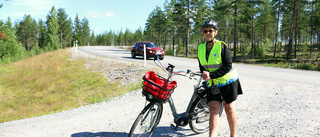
(29, 37)
(282, 28)
(252, 28)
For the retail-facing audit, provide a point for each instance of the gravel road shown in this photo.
(276, 102)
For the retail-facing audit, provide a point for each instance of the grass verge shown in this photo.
(49, 83)
(314, 66)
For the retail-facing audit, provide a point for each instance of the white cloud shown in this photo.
(110, 14)
(93, 14)
(36, 5)
(97, 14)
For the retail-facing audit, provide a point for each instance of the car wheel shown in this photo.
(133, 55)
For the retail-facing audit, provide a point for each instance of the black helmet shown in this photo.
(212, 23)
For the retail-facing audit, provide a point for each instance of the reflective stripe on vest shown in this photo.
(213, 63)
(213, 66)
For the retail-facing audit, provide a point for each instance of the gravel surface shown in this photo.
(113, 69)
(268, 108)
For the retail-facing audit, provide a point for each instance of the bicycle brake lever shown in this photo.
(188, 71)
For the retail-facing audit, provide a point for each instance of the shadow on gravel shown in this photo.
(118, 50)
(107, 50)
(159, 132)
(99, 134)
(137, 57)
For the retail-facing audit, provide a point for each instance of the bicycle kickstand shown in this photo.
(173, 127)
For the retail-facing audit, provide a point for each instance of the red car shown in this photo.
(152, 50)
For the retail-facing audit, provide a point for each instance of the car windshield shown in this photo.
(152, 45)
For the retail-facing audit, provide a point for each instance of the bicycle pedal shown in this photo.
(173, 127)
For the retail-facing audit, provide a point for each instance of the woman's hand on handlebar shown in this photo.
(206, 76)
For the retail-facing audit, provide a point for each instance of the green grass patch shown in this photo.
(50, 83)
(314, 66)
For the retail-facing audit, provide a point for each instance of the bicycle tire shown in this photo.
(145, 121)
(199, 117)
(192, 120)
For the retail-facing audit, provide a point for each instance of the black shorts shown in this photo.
(228, 93)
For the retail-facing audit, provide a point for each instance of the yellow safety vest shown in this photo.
(214, 63)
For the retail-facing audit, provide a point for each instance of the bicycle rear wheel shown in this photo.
(199, 117)
(147, 121)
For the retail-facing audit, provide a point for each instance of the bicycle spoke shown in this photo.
(146, 121)
(199, 120)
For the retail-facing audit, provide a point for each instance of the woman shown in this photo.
(216, 66)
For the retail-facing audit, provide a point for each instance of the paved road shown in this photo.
(276, 102)
(268, 73)
(117, 53)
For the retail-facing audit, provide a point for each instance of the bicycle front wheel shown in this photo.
(199, 116)
(147, 121)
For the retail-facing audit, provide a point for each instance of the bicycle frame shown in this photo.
(193, 97)
(185, 114)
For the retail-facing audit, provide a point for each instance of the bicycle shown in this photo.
(196, 115)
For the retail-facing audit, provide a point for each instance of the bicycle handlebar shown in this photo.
(170, 72)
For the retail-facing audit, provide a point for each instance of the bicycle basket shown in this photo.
(157, 86)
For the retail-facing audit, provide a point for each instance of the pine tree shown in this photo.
(277, 11)
(180, 21)
(317, 21)
(111, 38)
(200, 11)
(156, 25)
(42, 34)
(120, 38)
(8, 23)
(52, 37)
(291, 15)
(266, 18)
(85, 31)
(128, 37)
(170, 30)
(10, 50)
(99, 39)
(34, 34)
(69, 33)
(138, 35)
(249, 21)
(77, 33)
(24, 32)
(236, 6)
(93, 39)
(65, 28)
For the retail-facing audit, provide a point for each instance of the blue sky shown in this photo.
(103, 15)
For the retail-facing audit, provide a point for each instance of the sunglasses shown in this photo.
(206, 31)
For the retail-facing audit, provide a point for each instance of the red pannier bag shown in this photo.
(157, 86)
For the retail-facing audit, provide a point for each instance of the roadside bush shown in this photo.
(260, 51)
(36, 50)
(246, 50)
(269, 45)
(170, 53)
(308, 66)
(10, 52)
